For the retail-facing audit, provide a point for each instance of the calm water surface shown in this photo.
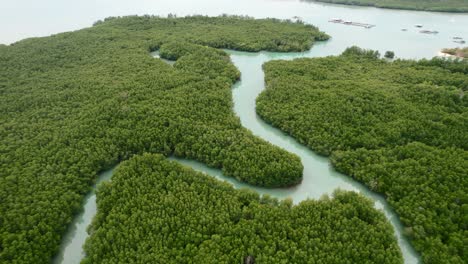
(24, 18)
(21, 19)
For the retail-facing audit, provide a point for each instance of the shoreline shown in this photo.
(443, 54)
(393, 7)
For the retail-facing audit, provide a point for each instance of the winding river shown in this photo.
(319, 177)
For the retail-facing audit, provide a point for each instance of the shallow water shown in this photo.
(25, 18)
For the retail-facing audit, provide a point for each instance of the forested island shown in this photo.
(77, 103)
(155, 209)
(399, 127)
(422, 5)
(458, 52)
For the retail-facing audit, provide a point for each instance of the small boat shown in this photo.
(336, 20)
(459, 41)
(404, 29)
(428, 31)
(418, 25)
(457, 38)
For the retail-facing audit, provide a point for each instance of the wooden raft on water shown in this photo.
(351, 23)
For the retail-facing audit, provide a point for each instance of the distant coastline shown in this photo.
(445, 55)
(454, 53)
(450, 6)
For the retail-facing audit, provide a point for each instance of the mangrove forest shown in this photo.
(399, 127)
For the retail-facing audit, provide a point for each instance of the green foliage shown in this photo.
(76, 103)
(175, 50)
(227, 32)
(424, 5)
(363, 53)
(156, 210)
(389, 54)
(427, 186)
(210, 62)
(456, 65)
(400, 127)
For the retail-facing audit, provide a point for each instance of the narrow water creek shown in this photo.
(319, 177)
(71, 249)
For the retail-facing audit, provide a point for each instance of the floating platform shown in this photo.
(351, 23)
(428, 31)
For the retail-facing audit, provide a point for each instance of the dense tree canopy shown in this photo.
(155, 210)
(76, 103)
(428, 188)
(400, 127)
(424, 5)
